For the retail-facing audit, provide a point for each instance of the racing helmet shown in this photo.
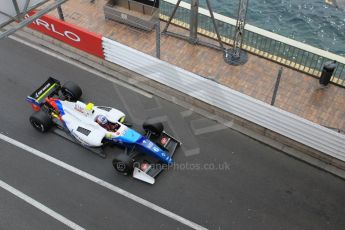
(101, 119)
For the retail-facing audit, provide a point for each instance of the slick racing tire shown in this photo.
(41, 121)
(123, 164)
(72, 91)
(156, 128)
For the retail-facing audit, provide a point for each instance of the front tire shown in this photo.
(156, 128)
(123, 164)
(41, 121)
(72, 91)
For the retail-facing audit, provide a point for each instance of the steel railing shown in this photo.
(285, 51)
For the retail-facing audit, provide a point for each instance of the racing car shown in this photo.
(58, 108)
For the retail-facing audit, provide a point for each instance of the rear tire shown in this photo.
(156, 128)
(123, 164)
(41, 121)
(72, 91)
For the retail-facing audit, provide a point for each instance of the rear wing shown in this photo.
(47, 89)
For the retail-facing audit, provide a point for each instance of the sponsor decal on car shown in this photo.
(164, 140)
(42, 90)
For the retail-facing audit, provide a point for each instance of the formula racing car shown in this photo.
(58, 108)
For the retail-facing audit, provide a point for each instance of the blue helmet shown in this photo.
(101, 119)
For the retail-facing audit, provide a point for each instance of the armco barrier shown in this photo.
(69, 34)
(277, 120)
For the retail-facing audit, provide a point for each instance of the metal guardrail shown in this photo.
(285, 51)
(284, 123)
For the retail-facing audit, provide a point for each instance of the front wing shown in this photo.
(148, 168)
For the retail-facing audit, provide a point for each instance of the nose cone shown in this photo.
(170, 160)
(165, 157)
(152, 149)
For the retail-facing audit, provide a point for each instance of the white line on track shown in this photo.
(82, 66)
(105, 184)
(40, 206)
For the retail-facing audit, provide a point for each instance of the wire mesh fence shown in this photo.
(279, 49)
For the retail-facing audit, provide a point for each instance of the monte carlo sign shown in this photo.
(69, 34)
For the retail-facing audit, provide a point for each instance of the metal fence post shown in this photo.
(276, 87)
(60, 12)
(194, 13)
(158, 39)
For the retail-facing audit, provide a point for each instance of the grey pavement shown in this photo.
(262, 188)
(79, 200)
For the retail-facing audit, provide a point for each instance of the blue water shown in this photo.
(310, 21)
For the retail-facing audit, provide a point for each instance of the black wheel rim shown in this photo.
(69, 95)
(120, 166)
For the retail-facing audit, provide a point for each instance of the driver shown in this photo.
(103, 122)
